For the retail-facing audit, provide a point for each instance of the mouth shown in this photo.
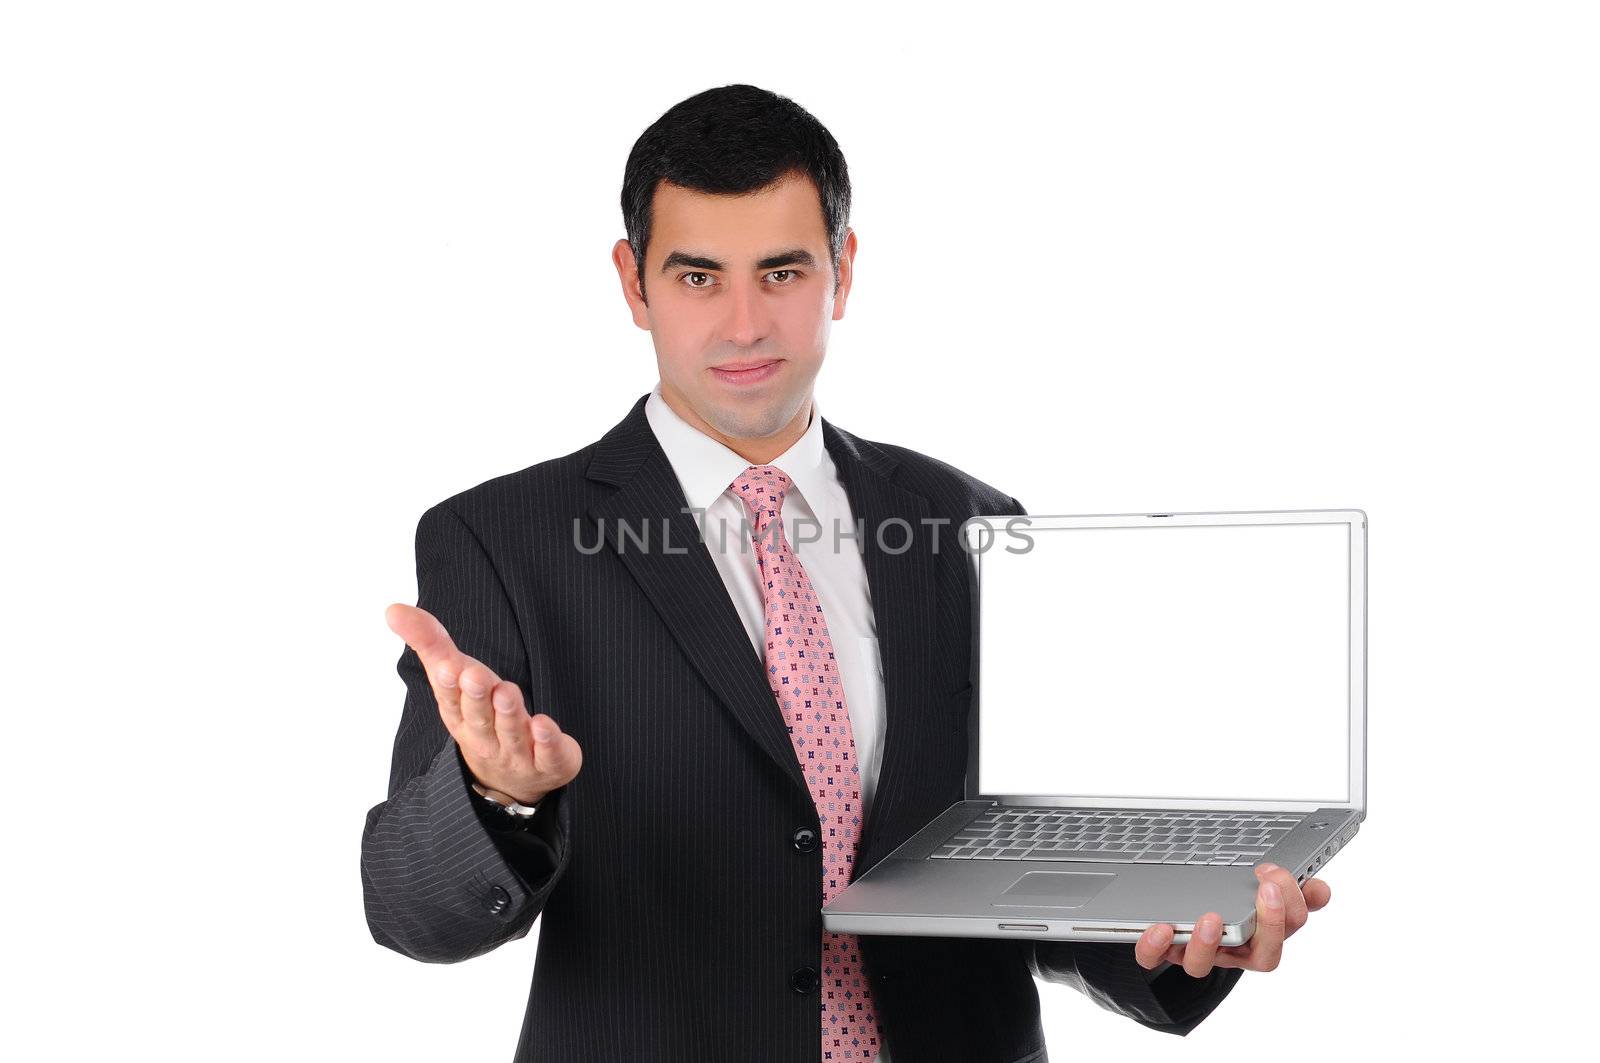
(753, 372)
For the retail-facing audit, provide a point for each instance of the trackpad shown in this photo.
(1055, 889)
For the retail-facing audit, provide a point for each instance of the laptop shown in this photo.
(1162, 701)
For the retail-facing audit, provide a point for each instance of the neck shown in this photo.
(757, 451)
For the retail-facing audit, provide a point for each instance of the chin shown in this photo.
(754, 421)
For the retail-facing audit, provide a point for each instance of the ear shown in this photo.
(847, 255)
(629, 276)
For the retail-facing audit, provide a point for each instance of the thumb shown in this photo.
(422, 631)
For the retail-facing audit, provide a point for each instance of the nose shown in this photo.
(747, 321)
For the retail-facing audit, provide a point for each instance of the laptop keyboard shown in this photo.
(1118, 836)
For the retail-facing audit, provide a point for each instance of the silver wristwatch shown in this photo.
(513, 810)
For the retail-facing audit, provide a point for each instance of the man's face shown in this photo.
(738, 281)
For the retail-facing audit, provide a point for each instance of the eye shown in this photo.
(790, 276)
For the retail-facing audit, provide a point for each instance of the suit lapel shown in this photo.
(675, 571)
(644, 522)
(896, 551)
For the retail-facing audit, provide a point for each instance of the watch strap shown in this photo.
(511, 808)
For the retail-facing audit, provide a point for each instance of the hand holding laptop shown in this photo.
(1282, 907)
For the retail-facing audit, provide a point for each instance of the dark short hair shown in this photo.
(730, 140)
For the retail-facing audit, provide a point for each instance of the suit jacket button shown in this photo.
(805, 840)
(804, 980)
(499, 900)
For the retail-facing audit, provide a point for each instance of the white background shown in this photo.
(275, 278)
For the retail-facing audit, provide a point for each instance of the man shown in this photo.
(582, 647)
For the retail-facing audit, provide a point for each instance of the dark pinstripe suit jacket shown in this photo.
(681, 906)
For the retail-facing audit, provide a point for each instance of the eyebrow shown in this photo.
(795, 256)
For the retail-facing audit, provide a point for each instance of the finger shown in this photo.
(1294, 903)
(556, 753)
(1174, 953)
(1227, 956)
(421, 631)
(477, 735)
(1233, 956)
(1266, 946)
(511, 730)
(1202, 948)
(1317, 894)
(1152, 946)
(440, 658)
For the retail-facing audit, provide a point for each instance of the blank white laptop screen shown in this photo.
(1177, 662)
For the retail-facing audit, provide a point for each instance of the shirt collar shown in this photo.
(706, 467)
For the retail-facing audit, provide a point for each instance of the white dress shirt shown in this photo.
(706, 470)
(813, 507)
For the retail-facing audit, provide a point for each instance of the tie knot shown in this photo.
(762, 488)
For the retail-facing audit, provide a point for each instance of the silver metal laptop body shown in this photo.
(1163, 701)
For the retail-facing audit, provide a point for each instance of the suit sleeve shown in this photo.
(441, 882)
(1167, 998)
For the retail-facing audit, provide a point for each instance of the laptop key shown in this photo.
(1099, 856)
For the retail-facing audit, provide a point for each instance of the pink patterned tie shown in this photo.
(804, 677)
